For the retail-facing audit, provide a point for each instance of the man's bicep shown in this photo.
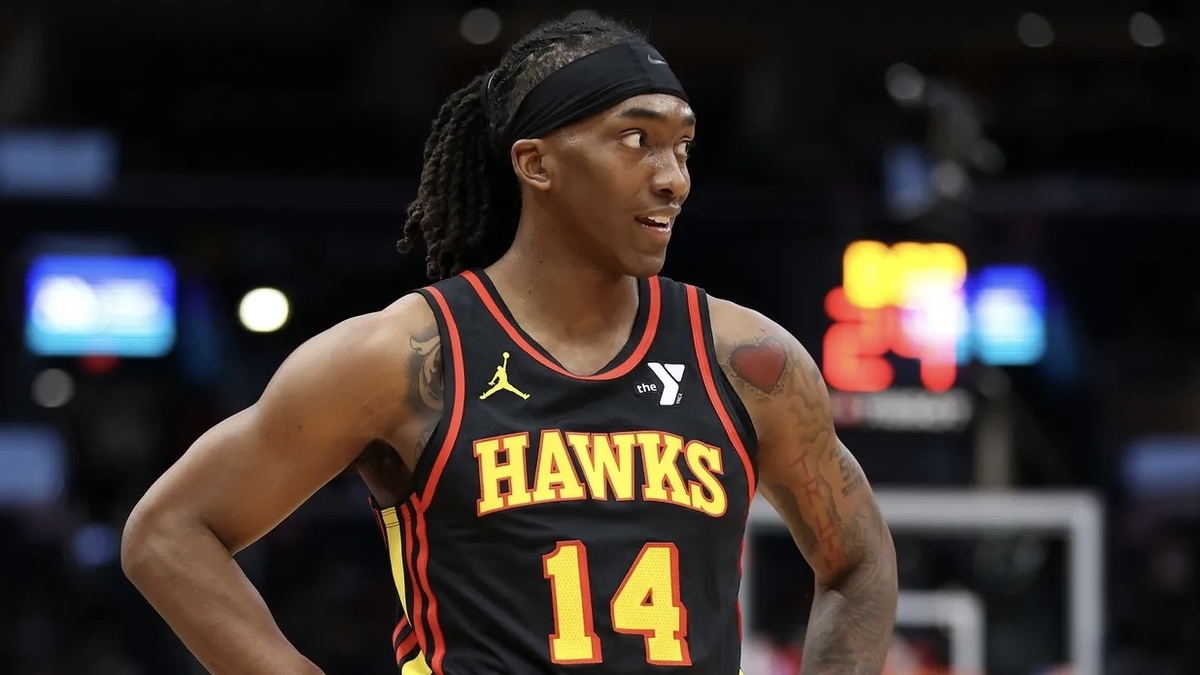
(250, 471)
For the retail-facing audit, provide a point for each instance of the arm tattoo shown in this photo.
(426, 375)
(761, 364)
(850, 628)
(852, 475)
(815, 483)
(427, 384)
(388, 472)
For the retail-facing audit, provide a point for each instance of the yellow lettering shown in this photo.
(556, 478)
(707, 493)
(606, 462)
(573, 466)
(512, 472)
(660, 456)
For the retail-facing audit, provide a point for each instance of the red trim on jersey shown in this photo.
(456, 411)
(407, 651)
(400, 626)
(635, 358)
(422, 577)
(425, 622)
(700, 340)
(417, 607)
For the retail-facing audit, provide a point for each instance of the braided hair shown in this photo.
(468, 202)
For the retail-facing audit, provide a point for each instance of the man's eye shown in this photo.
(634, 140)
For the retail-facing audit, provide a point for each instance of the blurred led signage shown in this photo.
(920, 301)
(907, 300)
(80, 305)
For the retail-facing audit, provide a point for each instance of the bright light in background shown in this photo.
(1145, 30)
(53, 388)
(66, 304)
(1008, 312)
(904, 83)
(1034, 30)
(920, 301)
(79, 305)
(264, 310)
(934, 314)
(904, 299)
(480, 26)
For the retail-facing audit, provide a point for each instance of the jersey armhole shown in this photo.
(727, 397)
(428, 470)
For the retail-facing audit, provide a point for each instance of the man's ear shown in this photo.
(531, 163)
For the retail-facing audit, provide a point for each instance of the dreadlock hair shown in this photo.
(468, 202)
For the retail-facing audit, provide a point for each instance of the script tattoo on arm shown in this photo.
(427, 384)
(820, 492)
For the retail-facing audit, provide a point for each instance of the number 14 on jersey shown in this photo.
(647, 603)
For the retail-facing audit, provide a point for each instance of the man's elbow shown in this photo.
(875, 579)
(873, 569)
(137, 544)
(147, 542)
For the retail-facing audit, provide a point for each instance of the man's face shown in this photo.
(620, 179)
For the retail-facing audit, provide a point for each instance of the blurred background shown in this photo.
(981, 218)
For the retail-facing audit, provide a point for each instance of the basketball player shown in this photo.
(566, 444)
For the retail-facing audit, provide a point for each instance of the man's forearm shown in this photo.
(850, 627)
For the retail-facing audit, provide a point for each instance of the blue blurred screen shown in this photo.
(100, 305)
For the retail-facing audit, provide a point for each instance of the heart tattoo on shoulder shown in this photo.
(761, 363)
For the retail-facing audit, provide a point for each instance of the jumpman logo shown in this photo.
(500, 382)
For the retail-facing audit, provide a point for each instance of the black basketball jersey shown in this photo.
(575, 524)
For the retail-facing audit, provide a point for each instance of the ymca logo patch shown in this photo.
(668, 377)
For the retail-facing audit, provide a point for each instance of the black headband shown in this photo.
(590, 85)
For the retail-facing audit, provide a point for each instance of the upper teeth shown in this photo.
(659, 220)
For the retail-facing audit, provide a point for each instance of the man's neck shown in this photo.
(569, 294)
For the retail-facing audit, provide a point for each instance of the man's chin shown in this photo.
(646, 265)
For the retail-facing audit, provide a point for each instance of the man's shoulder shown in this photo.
(366, 343)
(761, 358)
(734, 324)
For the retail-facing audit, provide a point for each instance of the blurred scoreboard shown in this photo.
(905, 329)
